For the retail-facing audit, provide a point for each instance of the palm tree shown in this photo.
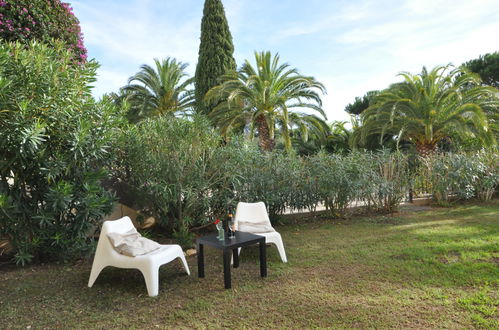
(163, 90)
(338, 139)
(263, 99)
(425, 108)
(309, 135)
(334, 138)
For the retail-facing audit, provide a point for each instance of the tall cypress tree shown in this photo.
(215, 51)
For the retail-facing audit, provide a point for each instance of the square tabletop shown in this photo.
(240, 239)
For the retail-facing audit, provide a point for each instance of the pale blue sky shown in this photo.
(350, 46)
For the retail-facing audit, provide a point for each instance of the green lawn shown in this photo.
(436, 268)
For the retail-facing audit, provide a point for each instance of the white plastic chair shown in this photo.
(148, 264)
(257, 213)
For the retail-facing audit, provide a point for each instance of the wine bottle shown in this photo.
(230, 222)
(225, 226)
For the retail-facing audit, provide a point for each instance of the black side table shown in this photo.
(229, 247)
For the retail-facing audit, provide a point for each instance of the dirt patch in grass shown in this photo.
(450, 257)
(403, 256)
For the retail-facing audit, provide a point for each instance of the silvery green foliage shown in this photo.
(182, 170)
(447, 175)
(375, 180)
(462, 175)
(286, 181)
(386, 180)
(487, 174)
(272, 177)
(337, 179)
(174, 167)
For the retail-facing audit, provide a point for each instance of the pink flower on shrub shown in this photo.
(60, 22)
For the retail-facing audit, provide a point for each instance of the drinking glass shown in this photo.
(232, 227)
(221, 234)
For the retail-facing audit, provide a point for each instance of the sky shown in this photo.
(350, 46)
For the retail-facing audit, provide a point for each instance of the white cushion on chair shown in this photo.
(255, 227)
(131, 243)
(253, 218)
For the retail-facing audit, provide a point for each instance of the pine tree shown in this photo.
(215, 51)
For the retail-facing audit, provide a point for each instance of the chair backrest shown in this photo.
(251, 212)
(112, 226)
(117, 226)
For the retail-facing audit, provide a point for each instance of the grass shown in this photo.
(437, 268)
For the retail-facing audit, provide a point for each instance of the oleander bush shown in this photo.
(186, 176)
(272, 177)
(461, 175)
(487, 174)
(337, 180)
(385, 182)
(54, 145)
(42, 20)
(377, 181)
(177, 170)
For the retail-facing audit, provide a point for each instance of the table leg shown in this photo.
(235, 256)
(263, 259)
(227, 254)
(200, 254)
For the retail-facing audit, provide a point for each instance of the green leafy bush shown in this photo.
(487, 174)
(268, 176)
(337, 180)
(279, 179)
(462, 175)
(43, 20)
(375, 180)
(183, 175)
(385, 180)
(54, 142)
(175, 167)
(286, 181)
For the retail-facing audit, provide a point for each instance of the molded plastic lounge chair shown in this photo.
(254, 215)
(148, 263)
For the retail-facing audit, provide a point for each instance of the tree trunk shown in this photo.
(426, 148)
(265, 142)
